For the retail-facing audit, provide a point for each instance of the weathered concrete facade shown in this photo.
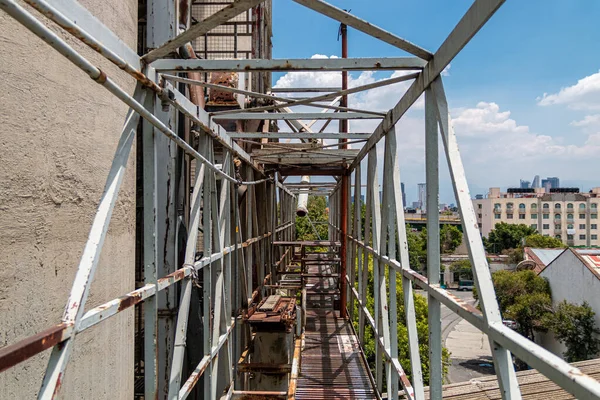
(58, 134)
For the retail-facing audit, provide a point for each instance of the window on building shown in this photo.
(478, 215)
(509, 206)
(581, 237)
(582, 206)
(557, 205)
(558, 237)
(594, 205)
(556, 216)
(546, 226)
(581, 226)
(521, 206)
(534, 205)
(479, 206)
(569, 237)
(497, 216)
(594, 216)
(497, 207)
(509, 216)
(570, 205)
(557, 226)
(581, 216)
(570, 226)
(546, 216)
(594, 226)
(479, 226)
(533, 216)
(546, 205)
(569, 216)
(521, 216)
(533, 226)
(594, 237)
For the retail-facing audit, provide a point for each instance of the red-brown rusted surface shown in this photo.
(332, 364)
(218, 97)
(26, 348)
(281, 317)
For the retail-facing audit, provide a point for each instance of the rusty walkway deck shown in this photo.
(332, 366)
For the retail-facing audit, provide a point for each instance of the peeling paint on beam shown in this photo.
(305, 64)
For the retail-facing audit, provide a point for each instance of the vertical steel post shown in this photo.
(150, 255)
(433, 245)
(407, 288)
(344, 241)
(356, 232)
(388, 227)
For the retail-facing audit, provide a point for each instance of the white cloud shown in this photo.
(584, 95)
(486, 119)
(589, 120)
(446, 71)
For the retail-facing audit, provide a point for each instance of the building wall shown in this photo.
(584, 222)
(58, 134)
(572, 281)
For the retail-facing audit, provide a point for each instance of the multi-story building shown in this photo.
(524, 184)
(565, 214)
(422, 196)
(550, 183)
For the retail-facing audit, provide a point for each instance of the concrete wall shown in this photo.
(58, 133)
(572, 281)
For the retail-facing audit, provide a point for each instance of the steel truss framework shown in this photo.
(238, 235)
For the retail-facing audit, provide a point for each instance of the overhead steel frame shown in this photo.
(379, 246)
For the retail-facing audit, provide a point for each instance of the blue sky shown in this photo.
(495, 86)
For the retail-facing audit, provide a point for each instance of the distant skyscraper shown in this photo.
(550, 183)
(536, 182)
(422, 196)
(525, 184)
(403, 194)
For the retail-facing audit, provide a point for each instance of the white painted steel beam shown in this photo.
(372, 30)
(220, 17)
(280, 65)
(296, 135)
(296, 116)
(507, 378)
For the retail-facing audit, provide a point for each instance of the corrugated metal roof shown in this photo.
(533, 385)
(546, 256)
(591, 257)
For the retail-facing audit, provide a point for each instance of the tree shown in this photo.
(543, 242)
(506, 236)
(417, 248)
(450, 238)
(575, 327)
(462, 268)
(524, 297)
(421, 311)
(316, 222)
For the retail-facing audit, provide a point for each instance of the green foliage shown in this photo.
(417, 248)
(422, 330)
(543, 242)
(506, 236)
(529, 311)
(317, 212)
(463, 268)
(450, 238)
(575, 327)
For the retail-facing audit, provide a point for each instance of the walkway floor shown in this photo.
(332, 365)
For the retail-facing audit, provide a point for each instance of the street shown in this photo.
(469, 348)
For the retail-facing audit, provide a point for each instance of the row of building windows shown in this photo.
(544, 216)
(569, 226)
(522, 206)
(572, 237)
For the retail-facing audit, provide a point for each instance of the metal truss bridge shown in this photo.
(272, 316)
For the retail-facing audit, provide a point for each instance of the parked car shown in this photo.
(510, 323)
(465, 285)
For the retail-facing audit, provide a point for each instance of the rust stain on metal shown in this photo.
(130, 300)
(217, 97)
(14, 354)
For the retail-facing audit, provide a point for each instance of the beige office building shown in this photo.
(571, 217)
